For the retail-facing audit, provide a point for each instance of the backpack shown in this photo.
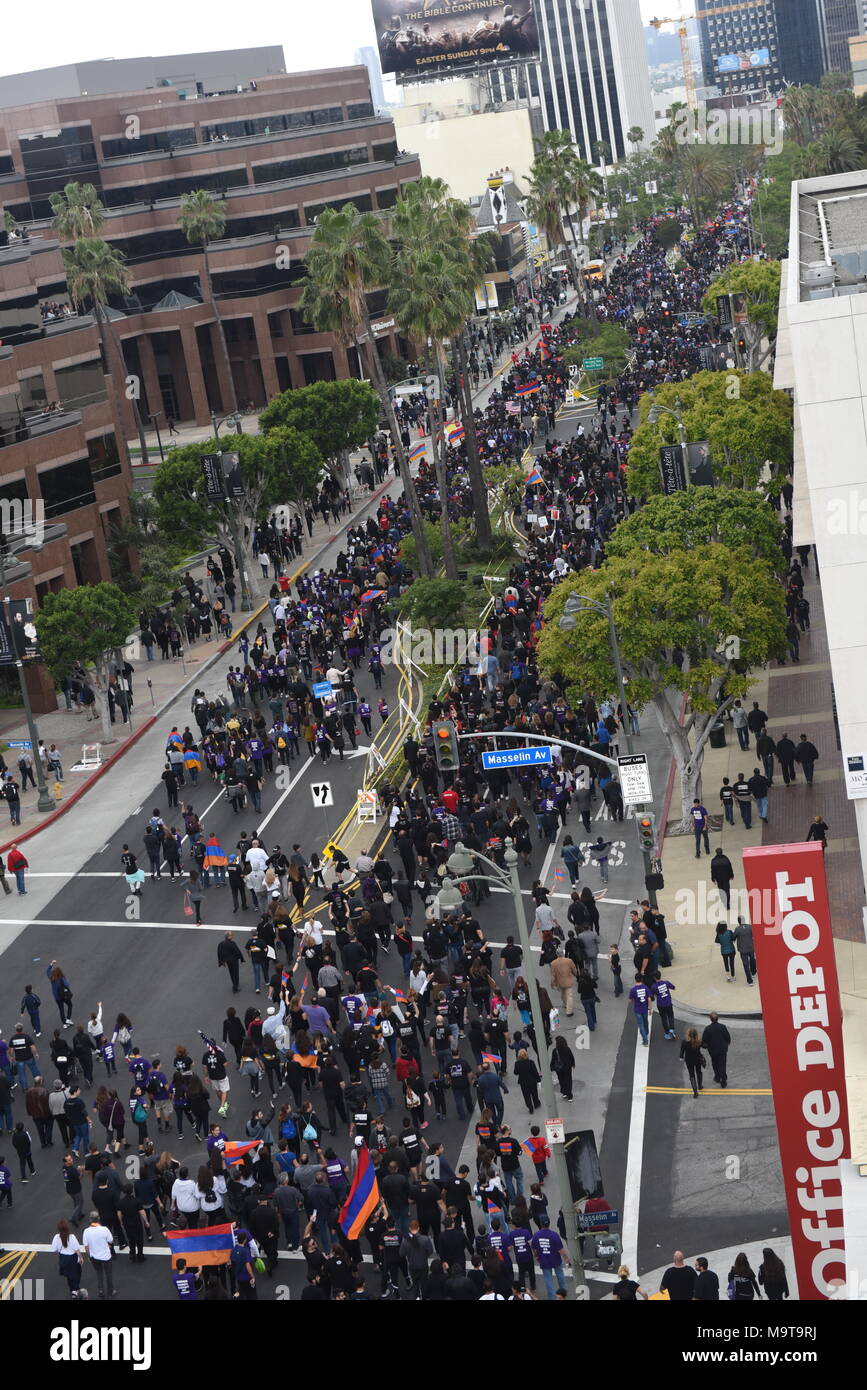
(288, 1129)
(139, 1114)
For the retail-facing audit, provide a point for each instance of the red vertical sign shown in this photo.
(797, 976)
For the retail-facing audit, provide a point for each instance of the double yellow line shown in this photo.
(12, 1267)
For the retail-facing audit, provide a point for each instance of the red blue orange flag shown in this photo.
(528, 389)
(363, 1198)
(235, 1149)
(209, 1245)
(492, 1057)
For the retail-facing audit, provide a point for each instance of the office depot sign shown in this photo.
(803, 1031)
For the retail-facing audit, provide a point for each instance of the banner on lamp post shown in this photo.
(797, 974)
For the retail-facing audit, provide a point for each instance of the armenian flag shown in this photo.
(528, 389)
(174, 740)
(418, 451)
(533, 477)
(492, 1057)
(235, 1149)
(363, 1198)
(215, 855)
(209, 1245)
(398, 994)
(527, 1146)
(455, 432)
(370, 595)
(544, 350)
(192, 761)
(378, 553)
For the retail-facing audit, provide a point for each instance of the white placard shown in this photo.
(322, 795)
(635, 779)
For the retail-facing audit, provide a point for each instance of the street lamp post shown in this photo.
(45, 801)
(459, 864)
(578, 603)
(246, 600)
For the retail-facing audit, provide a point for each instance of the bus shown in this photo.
(593, 272)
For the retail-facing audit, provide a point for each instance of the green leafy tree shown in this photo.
(635, 136)
(760, 282)
(701, 177)
(338, 416)
(747, 424)
(90, 624)
(691, 624)
(276, 467)
(611, 343)
(348, 258)
(702, 516)
(203, 220)
(438, 601)
(668, 233)
(142, 558)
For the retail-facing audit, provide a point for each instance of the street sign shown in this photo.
(20, 743)
(322, 689)
(592, 1220)
(517, 757)
(635, 779)
(556, 1131)
(215, 483)
(593, 364)
(322, 795)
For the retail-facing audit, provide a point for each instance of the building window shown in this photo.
(67, 488)
(81, 385)
(103, 457)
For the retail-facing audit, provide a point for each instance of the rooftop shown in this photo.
(831, 230)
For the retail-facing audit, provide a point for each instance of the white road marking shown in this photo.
(279, 802)
(635, 1154)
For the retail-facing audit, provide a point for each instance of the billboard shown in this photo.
(797, 975)
(744, 60)
(419, 38)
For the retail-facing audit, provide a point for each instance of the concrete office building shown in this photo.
(370, 59)
(762, 46)
(275, 149)
(822, 360)
(592, 76)
(841, 21)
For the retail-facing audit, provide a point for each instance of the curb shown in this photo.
(85, 786)
(219, 651)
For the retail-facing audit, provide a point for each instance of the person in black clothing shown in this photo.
(806, 754)
(772, 1277)
(230, 955)
(131, 1215)
(786, 757)
(707, 1283)
(679, 1279)
(742, 1281)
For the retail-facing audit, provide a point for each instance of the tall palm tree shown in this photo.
(77, 211)
(431, 308)
(202, 220)
(78, 214)
(700, 174)
(347, 258)
(94, 272)
(838, 152)
(557, 158)
(635, 136)
(426, 214)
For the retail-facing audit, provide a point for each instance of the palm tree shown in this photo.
(77, 211)
(602, 152)
(94, 272)
(431, 307)
(700, 174)
(838, 152)
(425, 215)
(557, 161)
(202, 220)
(635, 136)
(349, 256)
(78, 214)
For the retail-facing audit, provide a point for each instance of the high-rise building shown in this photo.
(592, 73)
(370, 59)
(761, 46)
(274, 149)
(842, 20)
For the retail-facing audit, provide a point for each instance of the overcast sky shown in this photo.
(326, 34)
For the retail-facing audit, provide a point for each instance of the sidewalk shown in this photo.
(797, 699)
(156, 684)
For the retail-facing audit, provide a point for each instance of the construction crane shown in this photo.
(685, 57)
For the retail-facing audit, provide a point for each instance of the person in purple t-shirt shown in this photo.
(640, 996)
(662, 991)
(548, 1248)
(318, 1016)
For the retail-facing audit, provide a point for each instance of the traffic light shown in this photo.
(445, 739)
(647, 832)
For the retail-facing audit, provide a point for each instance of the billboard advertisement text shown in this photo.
(421, 37)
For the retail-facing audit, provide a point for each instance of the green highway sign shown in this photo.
(593, 364)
